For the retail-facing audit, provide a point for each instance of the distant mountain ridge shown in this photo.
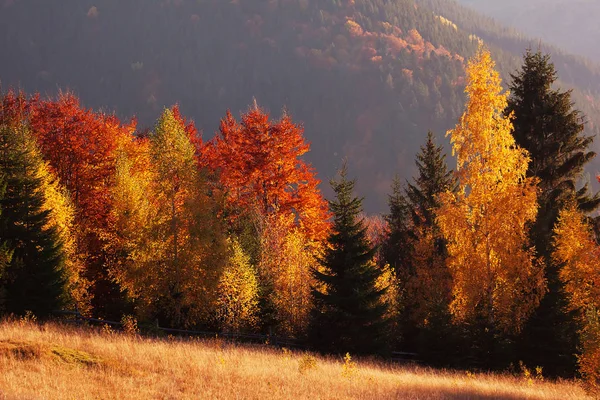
(570, 24)
(368, 78)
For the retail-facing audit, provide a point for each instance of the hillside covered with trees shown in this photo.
(367, 78)
(570, 24)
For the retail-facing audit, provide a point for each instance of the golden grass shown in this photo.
(58, 362)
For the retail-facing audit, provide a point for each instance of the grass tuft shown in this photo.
(19, 350)
(71, 356)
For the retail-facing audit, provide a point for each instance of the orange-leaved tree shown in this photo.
(274, 205)
(80, 146)
(493, 266)
(260, 168)
(15, 107)
(575, 248)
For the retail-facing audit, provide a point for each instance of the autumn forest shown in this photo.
(485, 259)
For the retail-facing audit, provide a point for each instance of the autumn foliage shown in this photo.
(492, 263)
(259, 165)
(168, 235)
(576, 248)
(80, 146)
(234, 235)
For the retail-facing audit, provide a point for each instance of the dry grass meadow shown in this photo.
(57, 362)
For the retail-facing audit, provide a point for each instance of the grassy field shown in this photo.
(57, 362)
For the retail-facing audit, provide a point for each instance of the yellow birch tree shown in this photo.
(495, 274)
(62, 216)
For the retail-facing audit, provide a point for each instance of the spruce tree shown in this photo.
(547, 125)
(412, 206)
(34, 278)
(410, 218)
(397, 245)
(435, 339)
(434, 178)
(348, 314)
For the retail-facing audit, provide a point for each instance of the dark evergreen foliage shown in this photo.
(434, 178)
(553, 132)
(349, 311)
(412, 210)
(34, 279)
(5, 252)
(413, 207)
(397, 248)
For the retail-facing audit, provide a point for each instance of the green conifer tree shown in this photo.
(435, 337)
(412, 206)
(546, 125)
(397, 244)
(411, 222)
(349, 311)
(34, 278)
(434, 178)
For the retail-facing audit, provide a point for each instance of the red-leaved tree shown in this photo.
(80, 146)
(259, 164)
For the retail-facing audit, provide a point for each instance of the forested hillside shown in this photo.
(367, 78)
(570, 24)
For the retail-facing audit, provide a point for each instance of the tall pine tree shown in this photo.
(412, 206)
(547, 126)
(431, 287)
(34, 278)
(415, 248)
(349, 311)
(397, 245)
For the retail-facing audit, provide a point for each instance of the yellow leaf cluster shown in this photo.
(238, 292)
(61, 216)
(576, 249)
(388, 280)
(287, 257)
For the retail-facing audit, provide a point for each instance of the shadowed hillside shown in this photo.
(368, 78)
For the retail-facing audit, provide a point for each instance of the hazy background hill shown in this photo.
(368, 78)
(570, 24)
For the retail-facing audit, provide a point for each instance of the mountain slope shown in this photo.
(570, 24)
(367, 78)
